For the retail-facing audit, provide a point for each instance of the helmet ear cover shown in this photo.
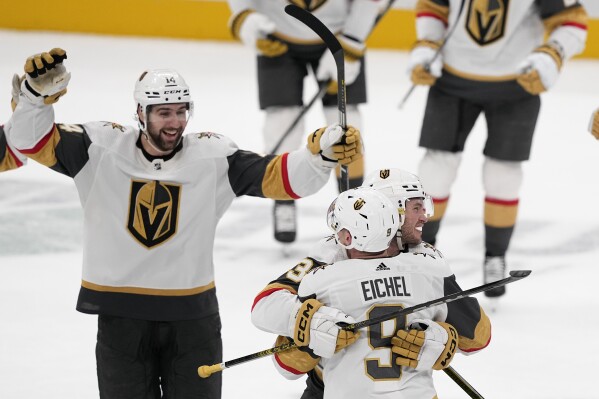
(369, 216)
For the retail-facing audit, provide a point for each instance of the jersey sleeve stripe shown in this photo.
(482, 335)
(285, 173)
(43, 152)
(575, 25)
(269, 290)
(431, 15)
(286, 367)
(276, 183)
(575, 16)
(8, 159)
(435, 9)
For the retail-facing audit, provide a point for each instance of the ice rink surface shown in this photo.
(544, 332)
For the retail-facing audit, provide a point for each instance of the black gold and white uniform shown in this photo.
(351, 17)
(489, 41)
(149, 223)
(366, 288)
(276, 302)
(281, 77)
(10, 158)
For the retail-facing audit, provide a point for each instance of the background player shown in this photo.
(495, 62)
(286, 50)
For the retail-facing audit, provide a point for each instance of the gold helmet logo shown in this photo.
(486, 20)
(153, 211)
(359, 204)
(384, 173)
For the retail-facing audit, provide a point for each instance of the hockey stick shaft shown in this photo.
(461, 381)
(437, 54)
(515, 275)
(335, 48)
(322, 89)
(321, 92)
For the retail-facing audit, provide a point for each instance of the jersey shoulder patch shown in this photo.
(425, 248)
(210, 144)
(102, 133)
(327, 250)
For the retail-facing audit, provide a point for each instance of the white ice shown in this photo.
(544, 332)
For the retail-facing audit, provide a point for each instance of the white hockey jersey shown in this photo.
(149, 222)
(491, 38)
(370, 288)
(354, 18)
(275, 304)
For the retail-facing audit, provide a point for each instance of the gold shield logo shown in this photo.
(384, 173)
(153, 211)
(486, 19)
(359, 204)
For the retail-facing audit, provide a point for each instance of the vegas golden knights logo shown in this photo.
(359, 204)
(153, 211)
(486, 19)
(384, 173)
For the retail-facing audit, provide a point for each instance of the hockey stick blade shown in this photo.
(515, 275)
(335, 48)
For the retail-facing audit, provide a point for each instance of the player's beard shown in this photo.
(165, 140)
(410, 236)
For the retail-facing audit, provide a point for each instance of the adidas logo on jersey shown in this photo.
(382, 266)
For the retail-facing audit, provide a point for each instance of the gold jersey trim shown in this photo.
(148, 291)
(482, 335)
(428, 6)
(575, 15)
(481, 78)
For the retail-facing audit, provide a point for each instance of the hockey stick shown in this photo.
(322, 89)
(465, 385)
(515, 275)
(437, 54)
(335, 48)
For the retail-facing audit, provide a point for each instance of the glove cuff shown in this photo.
(314, 141)
(554, 50)
(450, 347)
(353, 48)
(301, 333)
(237, 20)
(427, 43)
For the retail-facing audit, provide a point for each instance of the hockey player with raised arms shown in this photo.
(276, 306)
(496, 61)
(152, 198)
(285, 51)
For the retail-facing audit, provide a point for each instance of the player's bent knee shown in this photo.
(502, 179)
